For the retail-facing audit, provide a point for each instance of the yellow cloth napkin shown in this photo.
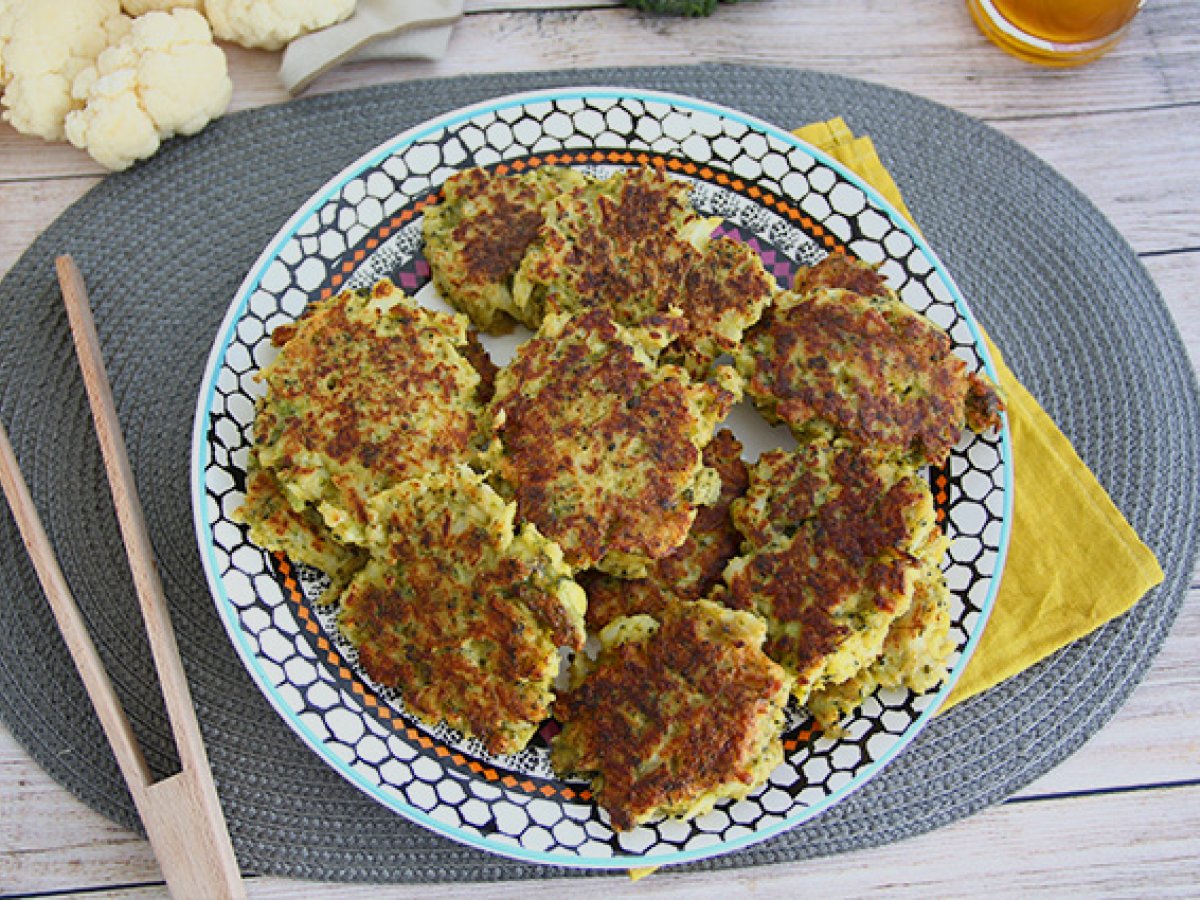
(1073, 562)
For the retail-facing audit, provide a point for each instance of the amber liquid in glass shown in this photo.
(1054, 32)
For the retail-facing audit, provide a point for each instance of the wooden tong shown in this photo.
(181, 814)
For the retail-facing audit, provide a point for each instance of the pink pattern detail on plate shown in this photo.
(773, 261)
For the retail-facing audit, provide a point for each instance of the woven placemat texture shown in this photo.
(163, 249)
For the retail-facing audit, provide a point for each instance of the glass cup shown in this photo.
(1054, 32)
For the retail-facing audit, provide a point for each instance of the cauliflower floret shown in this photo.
(49, 45)
(141, 7)
(8, 17)
(271, 24)
(165, 77)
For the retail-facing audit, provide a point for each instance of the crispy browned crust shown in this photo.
(838, 270)
(375, 396)
(599, 448)
(983, 404)
(833, 537)
(584, 255)
(475, 239)
(689, 572)
(459, 618)
(834, 365)
(481, 362)
(618, 244)
(842, 358)
(662, 722)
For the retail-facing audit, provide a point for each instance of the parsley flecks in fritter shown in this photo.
(460, 612)
(835, 539)
(369, 389)
(601, 448)
(840, 366)
(691, 570)
(476, 237)
(633, 244)
(301, 534)
(916, 654)
(676, 713)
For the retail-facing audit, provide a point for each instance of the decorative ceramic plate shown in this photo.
(791, 204)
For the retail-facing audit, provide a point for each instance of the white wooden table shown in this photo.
(1121, 816)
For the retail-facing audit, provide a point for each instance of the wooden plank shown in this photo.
(1115, 846)
(943, 57)
(1147, 194)
(28, 207)
(51, 841)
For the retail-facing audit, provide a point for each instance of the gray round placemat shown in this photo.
(163, 249)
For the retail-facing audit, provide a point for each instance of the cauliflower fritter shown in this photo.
(461, 612)
(633, 244)
(600, 447)
(690, 571)
(368, 389)
(835, 540)
(865, 369)
(676, 713)
(476, 237)
(301, 534)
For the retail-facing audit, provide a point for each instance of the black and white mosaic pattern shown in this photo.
(786, 201)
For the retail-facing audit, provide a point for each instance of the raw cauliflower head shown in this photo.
(48, 45)
(272, 24)
(166, 77)
(141, 7)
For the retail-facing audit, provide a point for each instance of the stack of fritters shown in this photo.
(453, 505)
(552, 241)
(691, 570)
(836, 540)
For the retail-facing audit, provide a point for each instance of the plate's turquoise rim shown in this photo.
(225, 605)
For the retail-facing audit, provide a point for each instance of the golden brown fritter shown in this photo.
(690, 571)
(675, 714)
(916, 654)
(835, 539)
(460, 612)
(864, 369)
(633, 244)
(302, 535)
(839, 270)
(600, 448)
(369, 389)
(475, 238)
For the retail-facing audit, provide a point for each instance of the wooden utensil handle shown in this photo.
(182, 814)
(71, 622)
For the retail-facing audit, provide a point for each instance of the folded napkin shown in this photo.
(379, 29)
(1074, 562)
